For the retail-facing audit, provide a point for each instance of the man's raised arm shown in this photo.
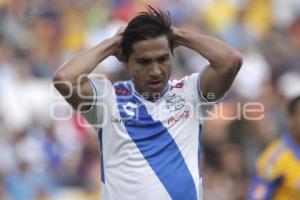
(224, 60)
(70, 79)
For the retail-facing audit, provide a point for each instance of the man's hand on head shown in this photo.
(176, 33)
(117, 44)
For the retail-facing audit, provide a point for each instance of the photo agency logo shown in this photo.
(172, 109)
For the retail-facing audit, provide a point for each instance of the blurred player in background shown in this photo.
(277, 174)
(150, 132)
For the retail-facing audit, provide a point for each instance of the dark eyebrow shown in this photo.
(164, 55)
(143, 59)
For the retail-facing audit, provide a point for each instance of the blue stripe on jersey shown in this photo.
(200, 149)
(101, 155)
(158, 148)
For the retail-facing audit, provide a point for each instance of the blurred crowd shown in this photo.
(48, 152)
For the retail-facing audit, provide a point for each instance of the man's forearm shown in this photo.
(70, 79)
(215, 51)
(224, 60)
(85, 62)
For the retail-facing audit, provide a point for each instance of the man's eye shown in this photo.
(144, 62)
(163, 59)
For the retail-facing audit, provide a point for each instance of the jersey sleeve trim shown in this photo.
(203, 98)
(94, 96)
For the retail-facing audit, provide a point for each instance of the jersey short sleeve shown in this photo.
(194, 84)
(201, 104)
(102, 94)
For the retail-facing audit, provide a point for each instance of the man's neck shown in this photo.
(154, 97)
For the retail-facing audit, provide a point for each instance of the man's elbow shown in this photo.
(60, 82)
(57, 77)
(236, 60)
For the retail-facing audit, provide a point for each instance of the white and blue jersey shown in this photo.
(149, 150)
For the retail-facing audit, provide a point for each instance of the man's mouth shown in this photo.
(155, 85)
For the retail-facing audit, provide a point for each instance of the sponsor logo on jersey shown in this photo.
(127, 122)
(174, 102)
(130, 108)
(179, 117)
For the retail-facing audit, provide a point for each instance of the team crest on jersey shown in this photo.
(174, 102)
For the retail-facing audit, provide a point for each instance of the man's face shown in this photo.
(149, 66)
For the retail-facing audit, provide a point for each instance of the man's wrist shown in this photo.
(106, 47)
(181, 36)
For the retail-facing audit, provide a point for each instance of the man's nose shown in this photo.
(155, 70)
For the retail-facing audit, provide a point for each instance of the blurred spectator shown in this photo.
(276, 173)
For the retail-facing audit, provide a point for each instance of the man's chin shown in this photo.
(156, 87)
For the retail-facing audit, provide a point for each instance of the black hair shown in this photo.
(292, 105)
(147, 25)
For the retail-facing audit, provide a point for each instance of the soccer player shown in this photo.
(150, 130)
(277, 174)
